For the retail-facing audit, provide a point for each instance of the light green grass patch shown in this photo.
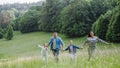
(22, 52)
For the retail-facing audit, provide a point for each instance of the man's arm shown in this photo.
(62, 47)
(50, 42)
(62, 43)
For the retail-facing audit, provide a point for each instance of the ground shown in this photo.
(22, 52)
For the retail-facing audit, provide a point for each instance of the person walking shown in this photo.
(55, 44)
(72, 50)
(92, 42)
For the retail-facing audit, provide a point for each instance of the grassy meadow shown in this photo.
(22, 52)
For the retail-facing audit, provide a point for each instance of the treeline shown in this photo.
(9, 13)
(75, 18)
(71, 17)
(108, 25)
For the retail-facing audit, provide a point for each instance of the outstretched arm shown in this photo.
(66, 48)
(40, 46)
(62, 47)
(102, 41)
(50, 42)
(77, 47)
(84, 43)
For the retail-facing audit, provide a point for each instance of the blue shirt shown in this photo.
(59, 42)
(73, 47)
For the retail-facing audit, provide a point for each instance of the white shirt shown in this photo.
(54, 44)
(71, 48)
(43, 50)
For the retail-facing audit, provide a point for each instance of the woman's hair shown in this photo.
(89, 34)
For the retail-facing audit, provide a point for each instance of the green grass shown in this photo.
(25, 44)
(21, 52)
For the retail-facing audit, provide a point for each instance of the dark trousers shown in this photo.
(56, 53)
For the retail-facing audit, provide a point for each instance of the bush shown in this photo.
(1, 35)
(29, 22)
(1, 32)
(9, 33)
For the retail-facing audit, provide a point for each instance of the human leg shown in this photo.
(89, 53)
(71, 56)
(56, 54)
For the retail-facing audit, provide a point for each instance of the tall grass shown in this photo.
(21, 52)
(82, 62)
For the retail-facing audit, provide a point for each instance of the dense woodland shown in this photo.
(75, 18)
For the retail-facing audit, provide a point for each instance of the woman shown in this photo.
(92, 41)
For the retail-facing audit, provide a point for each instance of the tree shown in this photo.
(5, 18)
(75, 18)
(116, 28)
(100, 27)
(50, 19)
(113, 33)
(29, 21)
(48, 15)
(15, 24)
(9, 33)
(1, 32)
(107, 25)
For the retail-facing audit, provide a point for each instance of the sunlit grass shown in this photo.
(21, 52)
(82, 62)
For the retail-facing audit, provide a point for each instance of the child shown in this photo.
(44, 52)
(72, 50)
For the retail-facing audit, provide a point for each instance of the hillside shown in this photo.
(21, 52)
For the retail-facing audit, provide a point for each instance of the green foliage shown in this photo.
(116, 28)
(15, 24)
(73, 19)
(50, 16)
(1, 35)
(100, 27)
(113, 33)
(46, 17)
(1, 32)
(9, 33)
(99, 7)
(78, 17)
(107, 25)
(29, 21)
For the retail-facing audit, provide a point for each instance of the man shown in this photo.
(55, 45)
